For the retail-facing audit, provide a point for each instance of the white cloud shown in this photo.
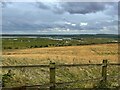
(39, 31)
(73, 24)
(59, 30)
(68, 30)
(83, 24)
(65, 30)
(68, 23)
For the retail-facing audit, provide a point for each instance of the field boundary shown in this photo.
(52, 68)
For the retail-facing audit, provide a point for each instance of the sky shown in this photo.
(60, 18)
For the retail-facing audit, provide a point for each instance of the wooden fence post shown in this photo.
(104, 73)
(52, 75)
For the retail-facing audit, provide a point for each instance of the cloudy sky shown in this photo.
(60, 18)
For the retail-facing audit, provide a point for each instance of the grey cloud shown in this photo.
(58, 9)
(4, 4)
(113, 9)
(42, 18)
(91, 7)
(76, 7)
(42, 5)
(83, 7)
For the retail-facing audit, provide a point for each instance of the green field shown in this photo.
(24, 43)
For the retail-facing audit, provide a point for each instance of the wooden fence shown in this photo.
(52, 68)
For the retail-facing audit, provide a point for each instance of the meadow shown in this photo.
(67, 54)
(65, 51)
(60, 55)
(22, 42)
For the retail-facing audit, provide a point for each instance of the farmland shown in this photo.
(35, 41)
(34, 51)
(68, 54)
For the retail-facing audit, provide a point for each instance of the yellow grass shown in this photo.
(69, 54)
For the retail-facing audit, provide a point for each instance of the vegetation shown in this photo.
(61, 50)
(24, 43)
(61, 55)
(6, 78)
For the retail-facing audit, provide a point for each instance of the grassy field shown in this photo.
(66, 55)
(25, 43)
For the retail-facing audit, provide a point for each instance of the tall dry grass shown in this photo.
(71, 54)
(68, 55)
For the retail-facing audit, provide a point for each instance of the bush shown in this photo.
(4, 47)
(6, 78)
(40, 46)
(101, 85)
(9, 48)
(16, 47)
(69, 44)
(35, 46)
(31, 46)
(46, 46)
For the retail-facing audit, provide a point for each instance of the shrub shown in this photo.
(35, 46)
(101, 85)
(31, 46)
(16, 47)
(9, 48)
(40, 46)
(6, 78)
(4, 47)
(46, 46)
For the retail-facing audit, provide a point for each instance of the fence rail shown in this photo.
(61, 65)
(52, 67)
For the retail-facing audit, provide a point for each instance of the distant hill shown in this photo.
(67, 35)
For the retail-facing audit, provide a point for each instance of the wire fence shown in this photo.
(53, 85)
